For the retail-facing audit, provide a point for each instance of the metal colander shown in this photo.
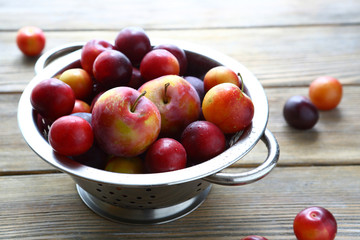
(156, 197)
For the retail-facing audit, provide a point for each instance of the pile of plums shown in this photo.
(133, 108)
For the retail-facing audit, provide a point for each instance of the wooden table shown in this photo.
(286, 44)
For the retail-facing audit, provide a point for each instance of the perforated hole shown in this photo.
(125, 200)
(145, 198)
(199, 188)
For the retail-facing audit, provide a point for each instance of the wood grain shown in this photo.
(159, 14)
(286, 44)
(50, 208)
(282, 57)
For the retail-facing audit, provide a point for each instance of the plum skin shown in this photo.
(300, 113)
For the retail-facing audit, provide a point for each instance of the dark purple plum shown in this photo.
(134, 43)
(112, 69)
(197, 84)
(300, 113)
(95, 157)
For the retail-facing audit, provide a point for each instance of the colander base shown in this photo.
(142, 216)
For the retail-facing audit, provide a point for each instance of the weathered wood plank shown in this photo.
(277, 59)
(285, 43)
(335, 134)
(159, 14)
(48, 207)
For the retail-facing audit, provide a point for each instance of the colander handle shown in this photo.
(255, 174)
(56, 53)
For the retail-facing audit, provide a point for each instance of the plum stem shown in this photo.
(166, 99)
(132, 109)
(242, 82)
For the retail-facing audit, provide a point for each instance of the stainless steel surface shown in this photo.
(256, 174)
(142, 215)
(104, 186)
(55, 54)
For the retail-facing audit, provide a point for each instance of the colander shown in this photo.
(157, 197)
